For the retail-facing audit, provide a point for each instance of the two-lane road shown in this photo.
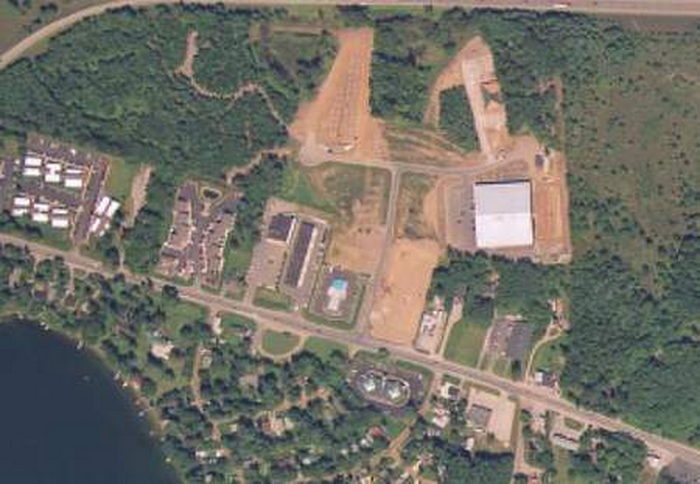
(601, 7)
(292, 322)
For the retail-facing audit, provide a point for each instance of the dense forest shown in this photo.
(456, 118)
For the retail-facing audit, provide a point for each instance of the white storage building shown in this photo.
(503, 215)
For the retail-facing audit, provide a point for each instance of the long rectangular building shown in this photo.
(298, 256)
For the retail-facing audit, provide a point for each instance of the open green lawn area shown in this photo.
(324, 347)
(237, 321)
(464, 343)
(278, 343)
(179, 313)
(550, 357)
(297, 187)
(237, 260)
(267, 298)
(121, 175)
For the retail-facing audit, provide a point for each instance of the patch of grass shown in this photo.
(337, 324)
(550, 357)
(267, 298)
(453, 380)
(121, 175)
(573, 424)
(324, 347)
(237, 321)
(464, 343)
(297, 187)
(414, 187)
(237, 260)
(182, 312)
(394, 426)
(410, 366)
(279, 343)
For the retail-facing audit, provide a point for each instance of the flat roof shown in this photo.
(503, 214)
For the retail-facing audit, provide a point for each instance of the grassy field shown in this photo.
(333, 187)
(324, 347)
(297, 187)
(270, 299)
(121, 175)
(277, 343)
(464, 343)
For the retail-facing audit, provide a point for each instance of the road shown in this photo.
(602, 7)
(285, 321)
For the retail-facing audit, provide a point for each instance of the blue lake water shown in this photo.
(63, 419)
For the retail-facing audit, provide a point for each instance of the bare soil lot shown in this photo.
(337, 123)
(402, 289)
(484, 93)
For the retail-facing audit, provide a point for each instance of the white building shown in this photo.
(31, 172)
(33, 161)
(73, 183)
(503, 215)
(40, 217)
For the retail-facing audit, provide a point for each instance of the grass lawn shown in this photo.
(324, 347)
(277, 343)
(236, 321)
(550, 357)
(121, 175)
(464, 343)
(297, 187)
(179, 313)
(270, 299)
(236, 260)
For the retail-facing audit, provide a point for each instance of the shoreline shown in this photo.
(144, 414)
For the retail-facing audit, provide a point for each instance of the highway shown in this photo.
(599, 7)
(291, 322)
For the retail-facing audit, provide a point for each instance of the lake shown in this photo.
(63, 418)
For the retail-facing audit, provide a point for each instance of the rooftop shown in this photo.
(503, 214)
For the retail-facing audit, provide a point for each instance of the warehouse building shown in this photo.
(503, 215)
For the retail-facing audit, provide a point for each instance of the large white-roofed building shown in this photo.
(503, 215)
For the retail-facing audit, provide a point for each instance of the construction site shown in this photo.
(508, 197)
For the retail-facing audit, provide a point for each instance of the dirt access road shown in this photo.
(629, 7)
(282, 321)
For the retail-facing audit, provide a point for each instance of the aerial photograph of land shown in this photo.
(385, 241)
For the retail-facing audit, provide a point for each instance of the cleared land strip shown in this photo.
(631, 7)
(284, 321)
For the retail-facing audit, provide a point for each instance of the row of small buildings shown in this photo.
(60, 186)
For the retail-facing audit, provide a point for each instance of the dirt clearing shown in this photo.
(338, 123)
(550, 199)
(484, 93)
(137, 198)
(449, 77)
(402, 289)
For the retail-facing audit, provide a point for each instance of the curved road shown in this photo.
(285, 321)
(610, 7)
